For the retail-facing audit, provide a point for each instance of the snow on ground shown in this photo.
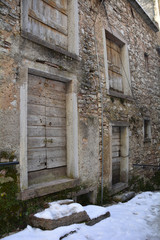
(138, 219)
(57, 210)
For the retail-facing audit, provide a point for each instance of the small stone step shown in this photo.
(124, 197)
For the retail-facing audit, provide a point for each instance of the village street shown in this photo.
(137, 219)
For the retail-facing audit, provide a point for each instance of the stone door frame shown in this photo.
(124, 165)
(71, 120)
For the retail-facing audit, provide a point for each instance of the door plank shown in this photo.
(36, 165)
(56, 162)
(36, 110)
(55, 132)
(56, 142)
(116, 160)
(55, 122)
(36, 100)
(115, 148)
(36, 142)
(115, 130)
(115, 154)
(53, 94)
(115, 135)
(56, 152)
(55, 112)
(50, 102)
(55, 85)
(36, 120)
(116, 142)
(36, 159)
(36, 131)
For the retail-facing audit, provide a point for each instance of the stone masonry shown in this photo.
(93, 97)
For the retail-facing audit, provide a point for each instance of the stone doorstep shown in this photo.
(43, 189)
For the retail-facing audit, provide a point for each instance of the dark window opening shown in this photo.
(132, 12)
(146, 61)
(147, 129)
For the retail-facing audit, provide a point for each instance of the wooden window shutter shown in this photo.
(47, 20)
(114, 66)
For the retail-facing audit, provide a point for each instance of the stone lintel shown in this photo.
(39, 41)
(120, 124)
(48, 75)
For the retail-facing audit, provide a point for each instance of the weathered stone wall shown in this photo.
(140, 38)
(152, 8)
(18, 52)
(9, 84)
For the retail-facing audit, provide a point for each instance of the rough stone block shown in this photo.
(98, 219)
(124, 197)
(48, 224)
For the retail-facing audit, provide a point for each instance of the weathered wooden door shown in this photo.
(46, 124)
(116, 154)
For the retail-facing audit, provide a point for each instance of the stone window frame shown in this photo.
(124, 172)
(71, 122)
(147, 129)
(117, 38)
(73, 30)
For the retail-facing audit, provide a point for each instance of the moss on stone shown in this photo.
(14, 213)
(106, 197)
(138, 184)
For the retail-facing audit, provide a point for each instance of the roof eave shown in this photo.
(144, 15)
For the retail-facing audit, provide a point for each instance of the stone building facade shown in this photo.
(79, 93)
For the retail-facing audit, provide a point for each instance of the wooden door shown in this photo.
(46, 124)
(116, 154)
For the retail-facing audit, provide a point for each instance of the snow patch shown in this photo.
(137, 219)
(56, 210)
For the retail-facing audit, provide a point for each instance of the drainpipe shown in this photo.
(101, 93)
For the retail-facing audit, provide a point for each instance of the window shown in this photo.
(51, 23)
(146, 61)
(116, 64)
(147, 130)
